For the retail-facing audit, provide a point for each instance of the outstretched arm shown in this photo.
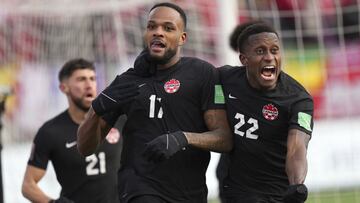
(219, 136)
(296, 161)
(30, 189)
(91, 132)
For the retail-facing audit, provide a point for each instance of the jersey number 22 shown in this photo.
(249, 132)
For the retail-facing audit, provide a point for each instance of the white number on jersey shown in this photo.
(152, 107)
(92, 160)
(249, 132)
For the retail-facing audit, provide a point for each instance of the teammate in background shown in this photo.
(82, 179)
(271, 116)
(175, 114)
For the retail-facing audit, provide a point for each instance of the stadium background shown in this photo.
(321, 50)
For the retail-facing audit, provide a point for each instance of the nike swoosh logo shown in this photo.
(70, 144)
(142, 85)
(232, 97)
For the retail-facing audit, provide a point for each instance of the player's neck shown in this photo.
(76, 114)
(171, 62)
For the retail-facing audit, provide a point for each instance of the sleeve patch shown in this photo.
(219, 95)
(304, 120)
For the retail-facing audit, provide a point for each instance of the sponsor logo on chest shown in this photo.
(172, 86)
(270, 112)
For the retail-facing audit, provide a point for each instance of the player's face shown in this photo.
(164, 35)
(262, 58)
(80, 88)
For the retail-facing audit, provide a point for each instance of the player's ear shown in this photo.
(243, 59)
(182, 39)
(63, 87)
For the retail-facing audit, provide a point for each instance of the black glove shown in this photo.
(296, 194)
(143, 65)
(61, 199)
(164, 146)
(114, 96)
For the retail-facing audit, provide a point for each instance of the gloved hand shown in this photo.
(61, 199)
(114, 96)
(143, 65)
(296, 194)
(164, 146)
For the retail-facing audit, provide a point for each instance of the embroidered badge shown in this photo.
(172, 86)
(219, 95)
(304, 120)
(270, 112)
(113, 136)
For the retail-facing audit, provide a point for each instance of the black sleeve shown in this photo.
(212, 96)
(111, 117)
(41, 149)
(302, 115)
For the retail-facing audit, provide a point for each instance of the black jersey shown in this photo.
(173, 99)
(260, 121)
(82, 179)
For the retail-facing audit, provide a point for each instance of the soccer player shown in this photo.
(223, 165)
(82, 179)
(271, 116)
(175, 114)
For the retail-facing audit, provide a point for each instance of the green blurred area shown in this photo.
(341, 196)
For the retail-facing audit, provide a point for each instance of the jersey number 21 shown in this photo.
(92, 160)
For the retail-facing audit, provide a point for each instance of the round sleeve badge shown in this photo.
(270, 112)
(113, 136)
(172, 86)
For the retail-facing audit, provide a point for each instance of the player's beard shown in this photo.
(79, 103)
(165, 58)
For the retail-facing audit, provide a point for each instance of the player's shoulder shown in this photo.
(61, 117)
(292, 85)
(228, 71)
(54, 124)
(196, 62)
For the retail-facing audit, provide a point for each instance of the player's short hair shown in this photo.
(175, 7)
(233, 40)
(72, 65)
(253, 29)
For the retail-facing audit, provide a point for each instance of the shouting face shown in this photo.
(262, 58)
(164, 35)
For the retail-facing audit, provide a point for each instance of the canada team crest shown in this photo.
(172, 86)
(113, 136)
(270, 112)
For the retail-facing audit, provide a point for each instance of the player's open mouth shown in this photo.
(89, 96)
(157, 45)
(268, 72)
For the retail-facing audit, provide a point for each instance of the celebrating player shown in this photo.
(175, 112)
(272, 119)
(82, 179)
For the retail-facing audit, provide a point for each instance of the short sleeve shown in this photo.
(40, 149)
(302, 115)
(212, 93)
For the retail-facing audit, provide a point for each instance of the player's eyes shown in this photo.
(259, 51)
(274, 50)
(150, 26)
(168, 28)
